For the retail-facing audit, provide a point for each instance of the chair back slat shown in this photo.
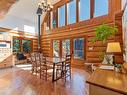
(68, 59)
(32, 58)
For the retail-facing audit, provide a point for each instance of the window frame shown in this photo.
(59, 15)
(92, 9)
(76, 10)
(84, 48)
(21, 43)
(100, 15)
(51, 13)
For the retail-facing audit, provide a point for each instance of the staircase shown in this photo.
(7, 61)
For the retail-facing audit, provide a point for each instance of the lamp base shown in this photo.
(113, 60)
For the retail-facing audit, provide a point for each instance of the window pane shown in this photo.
(84, 10)
(62, 16)
(71, 12)
(65, 47)
(79, 48)
(16, 45)
(56, 48)
(26, 46)
(101, 8)
(54, 19)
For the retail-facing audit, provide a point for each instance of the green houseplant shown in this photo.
(103, 32)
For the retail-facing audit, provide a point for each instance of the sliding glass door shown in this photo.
(65, 47)
(73, 46)
(61, 47)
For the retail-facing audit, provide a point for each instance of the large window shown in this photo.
(84, 10)
(71, 6)
(20, 45)
(79, 48)
(101, 8)
(61, 16)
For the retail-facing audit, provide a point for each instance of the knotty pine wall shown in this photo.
(87, 29)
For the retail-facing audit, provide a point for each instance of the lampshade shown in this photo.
(113, 47)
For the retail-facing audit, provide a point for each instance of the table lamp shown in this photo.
(113, 47)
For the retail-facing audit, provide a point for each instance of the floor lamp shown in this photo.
(43, 6)
(39, 13)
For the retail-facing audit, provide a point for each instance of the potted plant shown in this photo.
(103, 32)
(118, 67)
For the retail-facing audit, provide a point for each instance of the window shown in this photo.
(56, 48)
(71, 6)
(29, 29)
(26, 46)
(20, 45)
(54, 19)
(79, 48)
(84, 10)
(101, 8)
(16, 45)
(61, 11)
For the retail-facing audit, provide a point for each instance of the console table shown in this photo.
(107, 82)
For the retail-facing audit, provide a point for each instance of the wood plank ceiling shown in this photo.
(5, 5)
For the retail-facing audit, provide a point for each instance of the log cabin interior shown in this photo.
(63, 47)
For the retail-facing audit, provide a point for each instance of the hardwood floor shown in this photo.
(19, 81)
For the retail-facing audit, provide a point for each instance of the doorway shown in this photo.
(73, 46)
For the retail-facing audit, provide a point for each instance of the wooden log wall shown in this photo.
(119, 35)
(9, 61)
(35, 45)
(87, 29)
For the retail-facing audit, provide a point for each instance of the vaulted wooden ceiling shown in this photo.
(5, 5)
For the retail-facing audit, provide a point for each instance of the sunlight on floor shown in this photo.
(24, 66)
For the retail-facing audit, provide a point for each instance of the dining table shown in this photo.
(56, 61)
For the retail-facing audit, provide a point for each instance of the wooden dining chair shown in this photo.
(65, 69)
(33, 62)
(46, 68)
(37, 61)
